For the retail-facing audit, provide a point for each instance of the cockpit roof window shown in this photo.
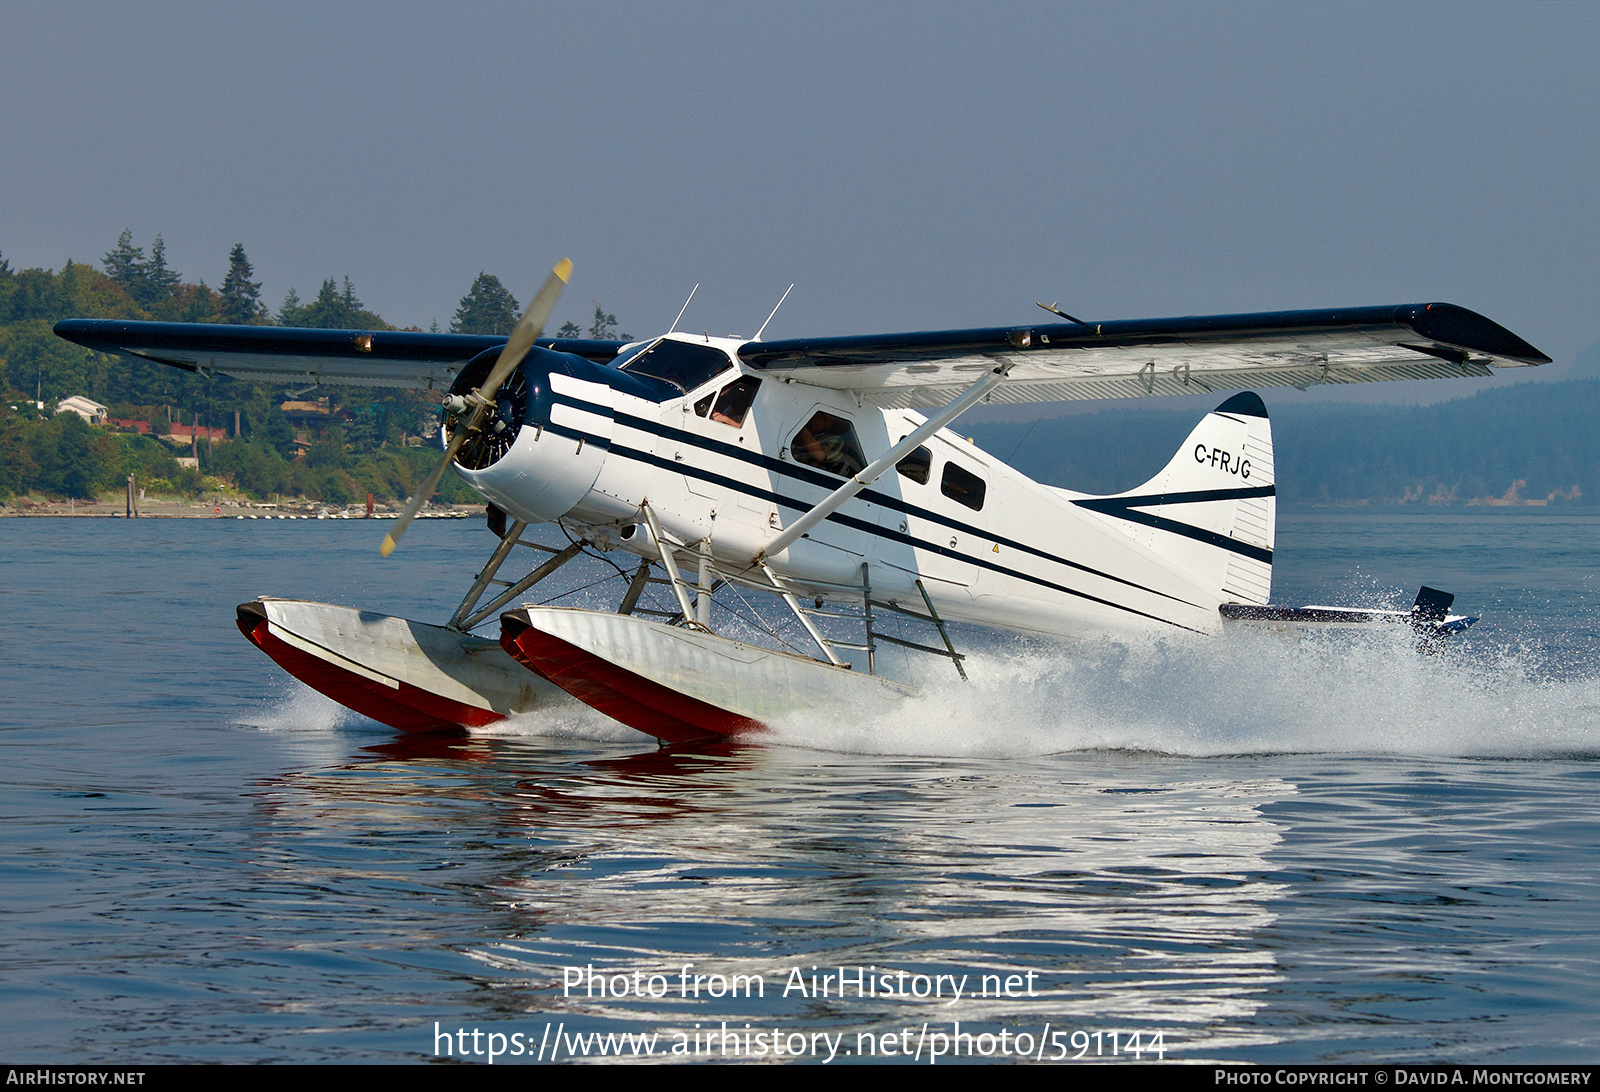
(683, 365)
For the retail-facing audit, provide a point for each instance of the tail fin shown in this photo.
(1212, 510)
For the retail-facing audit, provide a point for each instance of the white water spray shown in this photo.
(1248, 693)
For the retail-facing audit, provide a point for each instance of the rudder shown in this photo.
(1212, 510)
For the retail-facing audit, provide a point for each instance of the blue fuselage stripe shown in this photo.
(829, 483)
(1123, 508)
(873, 529)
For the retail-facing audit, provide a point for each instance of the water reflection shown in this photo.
(1136, 892)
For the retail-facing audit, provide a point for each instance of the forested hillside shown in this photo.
(1532, 441)
(330, 444)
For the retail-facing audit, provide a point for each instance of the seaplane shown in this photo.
(822, 473)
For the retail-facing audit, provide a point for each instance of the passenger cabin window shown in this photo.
(730, 405)
(962, 486)
(916, 466)
(683, 365)
(829, 443)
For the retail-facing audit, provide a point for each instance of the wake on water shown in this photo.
(1249, 692)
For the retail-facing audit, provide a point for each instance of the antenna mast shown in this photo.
(682, 309)
(774, 312)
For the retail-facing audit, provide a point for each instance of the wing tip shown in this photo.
(1451, 324)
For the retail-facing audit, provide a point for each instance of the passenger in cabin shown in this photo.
(735, 401)
(732, 403)
(916, 465)
(829, 443)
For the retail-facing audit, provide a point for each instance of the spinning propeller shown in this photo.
(480, 402)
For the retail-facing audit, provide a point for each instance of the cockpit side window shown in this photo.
(733, 404)
(829, 443)
(683, 365)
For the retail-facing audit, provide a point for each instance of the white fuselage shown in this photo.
(1006, 551)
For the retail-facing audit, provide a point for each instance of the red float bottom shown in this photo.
(619, 693)
(403, 706)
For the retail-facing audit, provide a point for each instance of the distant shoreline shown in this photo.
(189, 510)
(151, 510)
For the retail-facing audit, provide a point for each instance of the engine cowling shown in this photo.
(555, 418)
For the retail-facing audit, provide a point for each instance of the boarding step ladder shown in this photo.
(864, 615)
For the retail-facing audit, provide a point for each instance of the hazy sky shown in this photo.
(910, 166)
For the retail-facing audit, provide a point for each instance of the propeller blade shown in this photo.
(418, 499)
(528, 329)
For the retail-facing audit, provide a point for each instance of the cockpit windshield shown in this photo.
(628, 354)
(683, 365)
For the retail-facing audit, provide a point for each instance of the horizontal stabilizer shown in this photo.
(1432, 604)
(1429, 615)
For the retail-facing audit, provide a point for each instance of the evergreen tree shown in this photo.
(34, 294)
(333, 309)
(369, 428)
(274, 428)
(328, 310)
(148, 280)
(69, 285)
(487, 308)
(291, 312)
(570, 329)
(357, 316)
(241, 297)
(160, 282)
(352, 306)
(604, 326)
(125, 264)
(16, 467)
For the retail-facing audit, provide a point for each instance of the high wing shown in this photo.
(274, 354)
(1139, 357)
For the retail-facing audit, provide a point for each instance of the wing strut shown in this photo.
(878, 466)
(474, 593)
(550, 566)
(679, 586)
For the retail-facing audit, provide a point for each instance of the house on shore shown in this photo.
(87, 408)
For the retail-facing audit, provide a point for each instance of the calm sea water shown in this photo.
(1262, 849)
